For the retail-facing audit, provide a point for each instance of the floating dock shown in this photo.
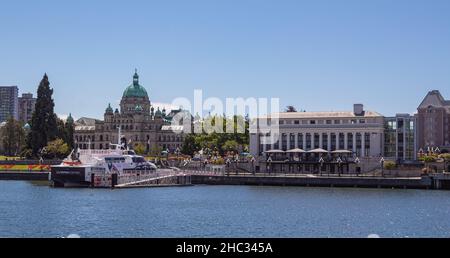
(162, 181)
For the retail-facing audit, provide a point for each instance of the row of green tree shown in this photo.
(47, 136)
(212, 141)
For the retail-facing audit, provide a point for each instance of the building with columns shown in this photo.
(139, 122)
(359, 131)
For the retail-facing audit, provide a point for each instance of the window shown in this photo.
(138, 160)
(281, 122)
(296, 122)
(312, 122)
(328, 122)
(336, 122)
(362, 121)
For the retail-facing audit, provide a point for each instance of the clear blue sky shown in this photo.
(315, 55)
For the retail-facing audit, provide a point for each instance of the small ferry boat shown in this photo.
(102, 168)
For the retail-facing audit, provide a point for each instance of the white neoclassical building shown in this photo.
(358, 131)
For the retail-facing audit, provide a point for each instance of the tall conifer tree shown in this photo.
(43, 123)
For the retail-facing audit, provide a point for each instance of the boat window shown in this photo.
(114, 160)
(138, 159)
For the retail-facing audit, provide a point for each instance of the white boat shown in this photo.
(102, 168)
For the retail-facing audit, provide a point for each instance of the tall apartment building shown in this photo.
(26, 107)
(9, 105)
(433, 127)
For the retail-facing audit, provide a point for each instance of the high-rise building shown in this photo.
(9, 106)
(433, 117)
(400, 137)
(26, 107)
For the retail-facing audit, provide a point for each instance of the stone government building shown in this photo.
(140, 123)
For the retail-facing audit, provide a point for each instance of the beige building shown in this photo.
(140, 123)
(358, 131)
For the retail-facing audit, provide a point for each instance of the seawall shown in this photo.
(27, 176)
(364, 182)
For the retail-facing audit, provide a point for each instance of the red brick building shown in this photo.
(433, 127)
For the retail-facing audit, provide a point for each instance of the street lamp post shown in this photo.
(357, 168)
(339, 160)
(321, 161)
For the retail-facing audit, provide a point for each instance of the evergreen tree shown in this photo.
(70, 129)
(43, 123)
(13, 137)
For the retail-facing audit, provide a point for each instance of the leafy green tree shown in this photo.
(139, 149)
(56, 149)
(61, 132)
(291, 109)
(427, 160)
(70, 129)
(235, 136)
(65, 131)
(190, 146)
(43, 123)
(155, 150)
(13, 137)
(230, 145)
(389, 165)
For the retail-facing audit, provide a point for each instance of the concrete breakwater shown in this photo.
(366, 182)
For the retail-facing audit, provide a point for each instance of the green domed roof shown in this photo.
(135, 90)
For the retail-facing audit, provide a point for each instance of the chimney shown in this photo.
(358, 109)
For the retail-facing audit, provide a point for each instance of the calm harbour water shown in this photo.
(30, 209)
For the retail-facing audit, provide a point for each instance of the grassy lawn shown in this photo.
(8, 158)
